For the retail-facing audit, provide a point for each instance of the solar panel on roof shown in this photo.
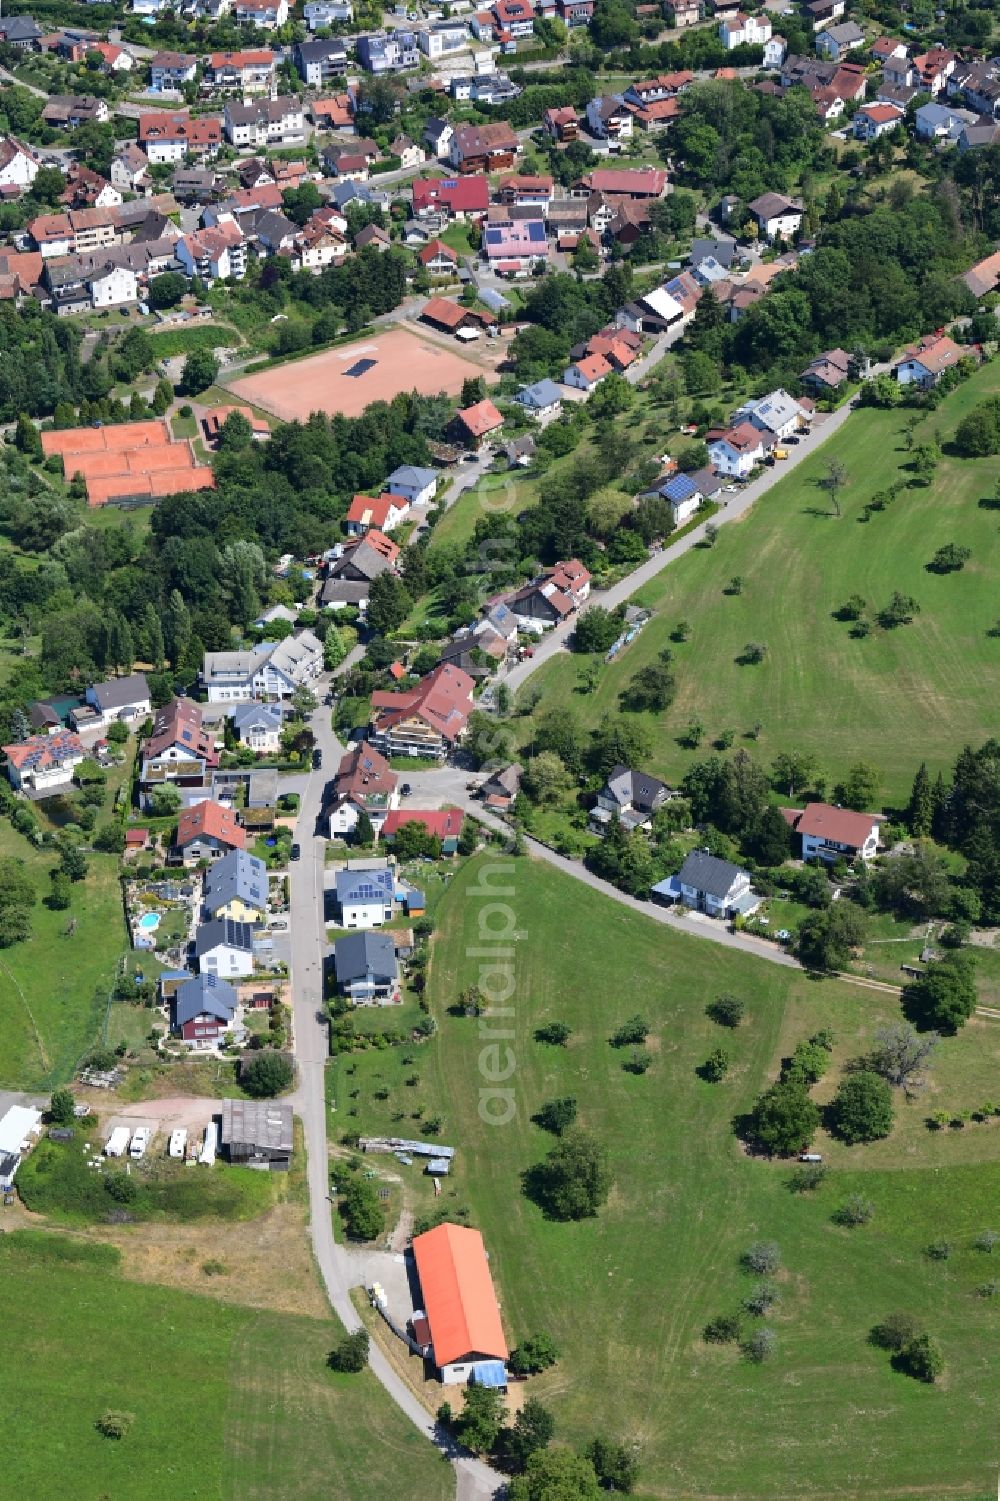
(536, 231)
(494, 237)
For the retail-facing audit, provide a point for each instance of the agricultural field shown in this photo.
(896, 697)
(227, 1401)
(54, 987)
(627, 1294)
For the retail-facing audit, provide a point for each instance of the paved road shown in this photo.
(340, 1272)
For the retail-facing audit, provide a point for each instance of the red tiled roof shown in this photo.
(180, 723)
(840, 825)
(42, 752)
(443, 699)
(480, 419)
(461, 195)
(209, 820)
(435, 248)
(445, 823)
(371, 512)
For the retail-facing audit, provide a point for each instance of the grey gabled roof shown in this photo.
(223, 930)
(635, 787)
(237, 875)
(361, 954)
(372, 884)
(116, 693)
(244, 716)
(204, 995)
(411, 474)
(708, 873)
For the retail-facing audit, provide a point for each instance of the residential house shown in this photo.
(438, 259)
(984, 276)
(975, 137)
(126, 700)
(176, 137)
(835, 42)
(552, 598)
(826, 372)
(18, 1125)
(775, 49)
(218, 253)
(744, 31)
(514, 18)
(428, 720)
(885, 48)
(384, 513)
(681, 14)
(43, 764)
(413, 483)
(629, 797)
(265, 122)
(203, 1010)
(830, 834)
(258, 1134)
(351, 573)
(367, 969)
(737, 451)
(271, 670)
(364, 783)
(373, 236)
(249, 72)
(874, 120)
(266, 15)
(438, 135)
(224, 947)
(461, 1328)
(484, 148)
(116, 59)
(18, 167)
(379, 53)
(215, 419)
(236, 887)
(365, 890)
(933, 69)
(455, 198)
(543, 399)
(776, 414)
(823, 12)
(180, 751)
(924, 363)
(977, 85)
(170, 71)
(936, 122)
(258, 727)
(630, 182)
(130, 170)
(409, 153)
(68, 111)
(562, 124)
(441, 823)
(609, 119)
(206, 831)
(21, 33)
(587, 374)
(336, 113)
(710, 885)
(575, 12)
(319, 62)
(683, 497)
(321, 13)
(443, 38)
(514, 244)
(775, 215)
(898, 70)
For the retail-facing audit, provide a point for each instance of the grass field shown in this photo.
(54, 987)
(228, 1402)
(627, 1294)
(895, 698)
(176, 341)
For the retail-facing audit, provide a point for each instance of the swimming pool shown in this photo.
(149, 922)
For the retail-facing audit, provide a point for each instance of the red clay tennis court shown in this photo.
(349, 379)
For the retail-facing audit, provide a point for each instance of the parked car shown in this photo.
(317, 758)
(405, 790)
(295, 851)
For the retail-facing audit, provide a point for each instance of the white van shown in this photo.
(810, 1156)
(178, 1141)
(140, 1142)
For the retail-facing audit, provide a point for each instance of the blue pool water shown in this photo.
(149, 922)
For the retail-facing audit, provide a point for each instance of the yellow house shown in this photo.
(236, 887)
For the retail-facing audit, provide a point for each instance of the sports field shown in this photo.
(229, 1403)
(348, 379)
(627, 1294)
(895, 697)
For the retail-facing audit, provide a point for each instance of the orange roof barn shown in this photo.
(458, 1295)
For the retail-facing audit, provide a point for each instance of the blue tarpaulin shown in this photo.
(489, 1373)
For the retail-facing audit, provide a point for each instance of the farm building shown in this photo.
(459, 1304)
(17, 1129)
(258, 1133)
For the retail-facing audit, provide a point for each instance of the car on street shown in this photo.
(317, 759)
(295, 851)
(405, 790)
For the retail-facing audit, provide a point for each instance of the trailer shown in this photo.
(210, 1145)
(178, 1141)
(117, 1142)
(140, 1142)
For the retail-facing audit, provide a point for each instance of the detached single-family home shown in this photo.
(438, 258)
(835, 42)
(224, 947)
(744, 31)
(826, 372)
(874, 120)
(630, 796)
(484, 148)
(119, 699)
(775, 215)
(180, 750)
(203, 1009)
(207, 831)
(272, 670)
(936, 122)
(18, 168)
(383, 512)
(367, 969)
(562, 124)
(778, 414)
(236, 887)
(552, 598)
(609, 119)
(587, 374)
(542, 399)
(710, 885)
(443, 823)
(364, 783)
(682, 496)
(924, 363)
(44, 763)
(170, 71)
(413, 483)
(473, 424)
(428, 720)
(738, 450)
(499, 790)
(365, 894)
(832, 834)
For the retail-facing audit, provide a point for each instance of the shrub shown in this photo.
(895, 1331)
(922, 1358)
(351, 1355)
(558, 1115)
(763, 1257)
(855, 1210)
(807, 1177)
(727, 1010)
(760, 1346)
(861, 1110)
(61, 1107)
(986, 1240)
(555, 1033)
(763, 1297)
(631, 1033)
(266, 1074)
(938, 1250)
(716, 1066)
(114, 1424)
(121, 1188)
(638, 1061)
(532, 1355)
(724, 1329)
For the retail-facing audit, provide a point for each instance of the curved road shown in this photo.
(475, 1480)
